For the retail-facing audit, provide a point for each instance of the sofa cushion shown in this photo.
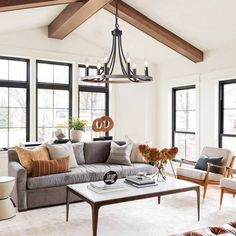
(228, 183)
(97, 152)
(79, 152)
(58, 151)
(197, 174)
(120, 154)
(86, 173)
(40, 168)
(26, 156)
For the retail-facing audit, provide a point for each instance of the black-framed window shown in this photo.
(184, 120)
(227, 114)
(14, 101)
(93, 99)
(54, 98)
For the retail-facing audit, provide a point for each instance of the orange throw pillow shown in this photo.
(40, 168)
(27, 155)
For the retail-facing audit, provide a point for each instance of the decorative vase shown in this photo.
(160, 171)
(76, 135)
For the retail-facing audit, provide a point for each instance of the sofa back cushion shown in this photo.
(98, 152)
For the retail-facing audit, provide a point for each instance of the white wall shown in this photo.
(219, 64)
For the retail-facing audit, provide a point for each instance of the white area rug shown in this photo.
(176, 214)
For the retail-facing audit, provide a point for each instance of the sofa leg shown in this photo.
(221, 197)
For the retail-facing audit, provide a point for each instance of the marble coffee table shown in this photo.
(97, 200)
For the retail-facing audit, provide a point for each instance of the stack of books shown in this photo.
(100, 187)
(140, 181)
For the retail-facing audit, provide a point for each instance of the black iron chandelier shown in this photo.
(105, 73)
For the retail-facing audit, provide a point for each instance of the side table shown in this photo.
(7, 210)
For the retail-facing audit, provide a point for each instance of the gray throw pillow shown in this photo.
(79, 152)
(203, 161)
(120, 154)
(58, 151)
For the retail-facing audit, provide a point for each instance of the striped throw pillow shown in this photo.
(120, 154)
(49, 167)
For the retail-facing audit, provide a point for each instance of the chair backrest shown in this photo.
(219, 152)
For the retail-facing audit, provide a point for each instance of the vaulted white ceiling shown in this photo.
(206, 24)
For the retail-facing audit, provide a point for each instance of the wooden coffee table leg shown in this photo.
(198, 202)
(95, 210)
(159, 199)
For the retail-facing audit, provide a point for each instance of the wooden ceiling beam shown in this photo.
(11, 5)
(156, 31)
(73, 16)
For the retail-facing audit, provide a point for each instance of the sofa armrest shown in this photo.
(19, 194)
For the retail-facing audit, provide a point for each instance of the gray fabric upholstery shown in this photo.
(79, 152)
(97, 152)
(19, 193)
(48, 197)
(86, 173)
(12, 155)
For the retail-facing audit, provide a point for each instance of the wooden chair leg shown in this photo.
(205, 189)
(221, 197)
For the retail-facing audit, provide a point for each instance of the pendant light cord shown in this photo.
(117, 25)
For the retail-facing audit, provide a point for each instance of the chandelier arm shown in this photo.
(113, 61)
(112, 49)
(121, 58)
(121, 47)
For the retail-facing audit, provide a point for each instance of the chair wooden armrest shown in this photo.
(182, 160)
(217, 166)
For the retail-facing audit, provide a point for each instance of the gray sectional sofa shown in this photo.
(33, 192)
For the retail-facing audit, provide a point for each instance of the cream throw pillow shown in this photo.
(120, 154)
(136, 156)
(59, 151)
(26, 156)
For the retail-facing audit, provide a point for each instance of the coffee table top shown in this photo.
(170, 186)
(5, 179)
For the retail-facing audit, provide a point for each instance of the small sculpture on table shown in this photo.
(102, 126)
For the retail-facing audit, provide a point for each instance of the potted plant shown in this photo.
(77, 127)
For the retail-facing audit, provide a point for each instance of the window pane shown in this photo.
(61, 74)
(98, 101)
(17, 97)
(17, 117)
(186, 144)
(97, 114)
(229, 142)
(45, 134)
(45, 73)
(181, 100)
(3, 97)
(191, 146)
(3, 69)
(3, 117)
(16, 136)
(61, 99)
(180, 143)
(191, 121)
(61, 118)
(85, 100)
(45, 117)
(229, 95)
(230, 121)
(45, 98)
(181, 121)
(17, 70)
(191, 99)
(4, 137)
